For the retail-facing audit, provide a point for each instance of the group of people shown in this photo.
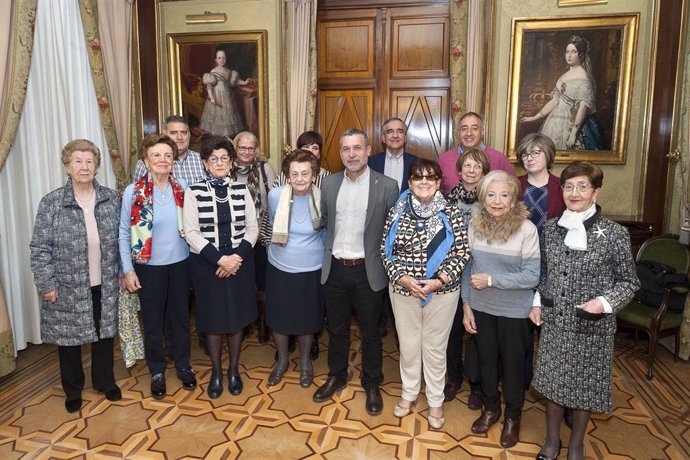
(466, 246)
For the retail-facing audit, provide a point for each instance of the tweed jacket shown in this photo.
(383, 192)
(570, 278)
(59, 260)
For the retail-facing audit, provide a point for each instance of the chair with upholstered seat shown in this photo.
(659, 322)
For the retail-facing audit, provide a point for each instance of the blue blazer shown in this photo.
(378, 162)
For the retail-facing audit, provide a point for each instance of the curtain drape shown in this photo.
(109, 95)
(458, 61)
(684, 169)
(16, 40)
(115, 27)
(476, 54)
(60, 106)
(299, 58)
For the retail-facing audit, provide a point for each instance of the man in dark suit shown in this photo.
(352, 271)
(394, 162)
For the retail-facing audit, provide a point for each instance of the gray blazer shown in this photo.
(383, 193)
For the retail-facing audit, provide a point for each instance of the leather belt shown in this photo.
(350, 262)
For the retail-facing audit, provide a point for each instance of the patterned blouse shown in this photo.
(411, 248)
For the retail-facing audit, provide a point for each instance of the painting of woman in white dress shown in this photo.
(568, 114)
(221, 115)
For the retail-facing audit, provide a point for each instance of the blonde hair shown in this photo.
(252, 137)
(499, 176)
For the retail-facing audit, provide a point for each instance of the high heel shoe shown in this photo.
(215, 386)
(541, 456)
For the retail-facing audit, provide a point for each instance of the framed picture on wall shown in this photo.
(217, 81)
(570, 79)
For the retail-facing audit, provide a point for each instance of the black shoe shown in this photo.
(476, 400)
(450, 390)
(186, 375)
(374, 404)
(306, 378)
(73, 405)
(158, 386)
(541, 456)
(215, 385)
(114, 394)
(276, 375)
(235, 384)
(326, 391)
(314, 351)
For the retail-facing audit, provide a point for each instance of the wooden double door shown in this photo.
(378, 62)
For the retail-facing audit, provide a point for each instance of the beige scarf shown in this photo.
(281, 220)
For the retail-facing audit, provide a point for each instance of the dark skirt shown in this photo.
(223, 305)
(294, 304)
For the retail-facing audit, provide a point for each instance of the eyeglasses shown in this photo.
(533, 154)
(223, 159)
(418, 177)
(580, 187)
(246, 149)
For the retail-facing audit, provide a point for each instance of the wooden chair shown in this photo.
(659, 322)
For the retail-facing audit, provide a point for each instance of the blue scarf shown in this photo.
(403, 206)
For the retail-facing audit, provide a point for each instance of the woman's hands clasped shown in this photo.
(228, 265)
(420, 288)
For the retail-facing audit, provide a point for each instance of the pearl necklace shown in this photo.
(164, 198)
(306, 214)
(215, 197)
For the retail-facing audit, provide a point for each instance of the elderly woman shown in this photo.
(155, 257)
(312, 142)
(424, 250)
(472, 166)
(541, 190)
(293, 287)
(588, 274)
(249, 168)
(75, 264)
(497, 291)
(220, 226)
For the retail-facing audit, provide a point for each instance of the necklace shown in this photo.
(306, 214)
(164, 197)
(215, 197)
(85, 205)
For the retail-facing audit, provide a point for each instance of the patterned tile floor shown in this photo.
(651, 419)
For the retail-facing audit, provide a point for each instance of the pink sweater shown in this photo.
(451, 176)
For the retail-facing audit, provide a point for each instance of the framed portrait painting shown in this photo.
(570, 79)
(217, 81)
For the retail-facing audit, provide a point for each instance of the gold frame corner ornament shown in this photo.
(628, 23)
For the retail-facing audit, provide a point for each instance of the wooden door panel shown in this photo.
(419, 48)
(346, 49)
(425, 113)
(341, 110)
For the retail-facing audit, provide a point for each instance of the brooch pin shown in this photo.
(599, 231)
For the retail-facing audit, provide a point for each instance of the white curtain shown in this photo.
(60, 106)
(298, 26)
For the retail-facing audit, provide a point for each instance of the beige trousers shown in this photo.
(423, 336)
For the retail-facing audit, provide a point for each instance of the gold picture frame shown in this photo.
(584, 109)
(243, 97)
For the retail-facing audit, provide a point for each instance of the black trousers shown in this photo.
(71, 370)
(165, 291)
(504, 339)
(347, 289)
(455, 365)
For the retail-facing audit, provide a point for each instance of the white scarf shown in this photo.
(576, 238)
(281, 220)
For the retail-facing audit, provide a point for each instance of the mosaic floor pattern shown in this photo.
(651, 419)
